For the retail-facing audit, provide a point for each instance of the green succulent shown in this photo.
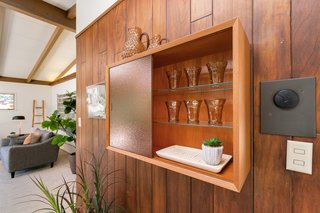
(213, 142)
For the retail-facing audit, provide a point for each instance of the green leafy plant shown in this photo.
(213, 142)
(91, 199)
(12, 133)
(57, 123)
(69, 103)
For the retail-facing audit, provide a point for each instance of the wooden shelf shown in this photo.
(138, 91)
(222, 179)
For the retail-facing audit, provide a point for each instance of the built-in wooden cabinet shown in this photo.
(137, 122)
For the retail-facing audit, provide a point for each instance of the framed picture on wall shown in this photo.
(96, 101)
(7, 101)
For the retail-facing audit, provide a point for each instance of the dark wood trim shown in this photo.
(72, 12)
(99, 17)
(43, 11)
(23, 81)
(64, 79)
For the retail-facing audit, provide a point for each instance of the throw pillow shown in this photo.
(32, 138)
(16, 141)
(27, 140)
(46, 136)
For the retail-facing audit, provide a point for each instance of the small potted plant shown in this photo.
(212, 151)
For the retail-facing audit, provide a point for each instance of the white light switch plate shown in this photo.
(79, 122)
(299, 156)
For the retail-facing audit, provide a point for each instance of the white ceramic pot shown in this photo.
(212, 155)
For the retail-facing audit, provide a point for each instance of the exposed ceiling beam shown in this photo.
(45, 52)
(43, 11)
(66, 69)
(64, 79)
(22, 80)
(72, 12)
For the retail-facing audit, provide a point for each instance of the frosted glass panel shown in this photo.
(131, 106)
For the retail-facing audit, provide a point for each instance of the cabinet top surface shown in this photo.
(219, 37)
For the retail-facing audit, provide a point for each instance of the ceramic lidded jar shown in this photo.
(134, 45)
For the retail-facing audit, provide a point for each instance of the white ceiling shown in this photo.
(24, 38)
(62, 4)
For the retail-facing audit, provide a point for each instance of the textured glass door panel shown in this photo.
(131, 106)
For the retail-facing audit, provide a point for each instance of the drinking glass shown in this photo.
(215, 108)
(193, 110)
(173, 108)
(193, 75)
(173, 78)
(216, 71)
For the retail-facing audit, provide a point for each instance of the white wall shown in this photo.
(25, 94)
(88, 11)
(61, 89)
(58, 90)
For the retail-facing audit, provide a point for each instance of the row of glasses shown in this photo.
(214, 107)
(216, 72)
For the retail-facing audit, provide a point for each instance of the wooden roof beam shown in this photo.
(66, 70)
(64, 79)
(72, 12)
(45, 53)
(43, 11)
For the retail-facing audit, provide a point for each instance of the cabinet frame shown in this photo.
(235, 175)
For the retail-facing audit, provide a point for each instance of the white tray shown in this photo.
(192, 157)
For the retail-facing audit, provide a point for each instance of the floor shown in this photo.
(13, 191)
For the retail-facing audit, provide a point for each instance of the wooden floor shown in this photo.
(12, 191)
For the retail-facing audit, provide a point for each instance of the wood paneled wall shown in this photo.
(284, 37)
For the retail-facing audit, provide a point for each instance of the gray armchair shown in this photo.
(19, 157)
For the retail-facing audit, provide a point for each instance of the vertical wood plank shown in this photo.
(144, 187)
(178, 18)
(305, 63)
(306, 188)
(144, 19)
(159, 191)
(95, 79)
(201, 196)
(159, 17)
(228, 201)
(102, 32)
(222, 11)
(271, 61)
(178, 193)
(120, 184)
(131, 190)
(110, 59)
(119, 26)
(242, 9)
(200, 9)
(305, 43)
(201, 24)
(131, 13)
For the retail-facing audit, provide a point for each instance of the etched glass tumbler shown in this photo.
(216, 71)
(193, 110)
(193, 75)
(173, 78)
(215, 108)
(173, 108)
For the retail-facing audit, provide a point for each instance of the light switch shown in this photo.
(299, 156)
(79, 122)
